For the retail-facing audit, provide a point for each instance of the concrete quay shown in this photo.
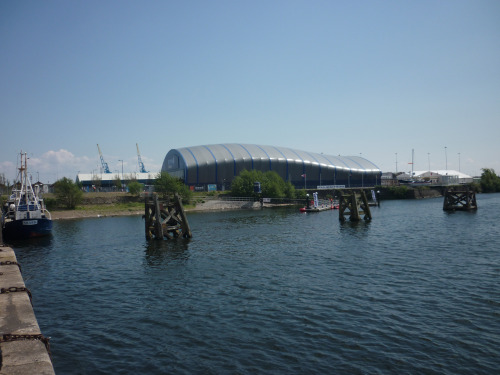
(23, 348)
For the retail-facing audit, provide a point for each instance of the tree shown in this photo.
(135, 187)
(242, 185)
(272, 185)
(96, 181)
(167, 185)
(117, 182)
(68, 193)
(490, 182)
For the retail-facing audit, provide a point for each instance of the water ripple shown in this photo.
(274, 291)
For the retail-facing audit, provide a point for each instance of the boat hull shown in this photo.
(27, 228)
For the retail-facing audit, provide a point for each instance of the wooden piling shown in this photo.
(459, 199)
(165, 219)
(353, 203)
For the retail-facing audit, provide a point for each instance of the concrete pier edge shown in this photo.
(23, 348)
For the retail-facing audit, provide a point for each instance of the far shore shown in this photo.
(214, 205)
(82, 214)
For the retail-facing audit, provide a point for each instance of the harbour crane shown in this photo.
(142, 169)
(104, 165)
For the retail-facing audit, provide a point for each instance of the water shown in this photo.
(415, 291)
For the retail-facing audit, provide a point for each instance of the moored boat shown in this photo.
(24, 214)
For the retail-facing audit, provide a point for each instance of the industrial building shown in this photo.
(441, 177)
(107, 181)
(213, 167)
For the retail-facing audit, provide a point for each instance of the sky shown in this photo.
(372, 78)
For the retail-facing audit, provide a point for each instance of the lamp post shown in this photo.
(429, 160)
(446, 157)
(122, 168)
(396, 163)
(122, 173)
(459, 161)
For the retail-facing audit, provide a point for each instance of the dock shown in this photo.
(23, 348)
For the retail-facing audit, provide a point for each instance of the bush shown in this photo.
(67, 192)
(50, 203)
(272, 185)
(301, 194)
(399, 191)
(166, 186)
(135, 187)
(490, 182)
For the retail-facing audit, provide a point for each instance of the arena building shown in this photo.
(213, 167)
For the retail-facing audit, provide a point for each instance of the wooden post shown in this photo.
(147, 218)
(353, 204)
(186, 230)
(365, 206)
(158, 224)
(165, 219)
(459, 199)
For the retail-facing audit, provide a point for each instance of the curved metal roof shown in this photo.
(239, 152)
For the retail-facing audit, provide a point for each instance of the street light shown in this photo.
(446, 157)
(396, 163)
(459, 161)
(122, 168)
(429, 160)
(122, 173)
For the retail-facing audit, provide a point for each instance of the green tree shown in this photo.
(167, 185)
(117, 182)
(96, 181)
(135, 187)
(242, 185)
(272, 185)
(490, 182)
(399, 192)
(68, 193)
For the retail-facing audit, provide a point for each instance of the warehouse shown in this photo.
(213, 167)
(107, 181)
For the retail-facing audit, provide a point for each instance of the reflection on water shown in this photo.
(161, 252)
(31, 243)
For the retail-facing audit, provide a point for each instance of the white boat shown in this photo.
(24, 214)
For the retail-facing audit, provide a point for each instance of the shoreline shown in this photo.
(215, 205)
(76, 214)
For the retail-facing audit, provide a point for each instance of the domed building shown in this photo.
(215, 166)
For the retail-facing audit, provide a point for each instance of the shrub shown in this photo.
(50, 203)
(490, 182)
(135, 187)
(166, 186)
(67, 192)
(399, 191)
(272, 185)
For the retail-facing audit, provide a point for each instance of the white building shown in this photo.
(443, 177)
(106, 181)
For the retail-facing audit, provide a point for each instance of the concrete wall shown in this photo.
(26, 355)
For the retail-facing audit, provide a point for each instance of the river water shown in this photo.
(274, 291)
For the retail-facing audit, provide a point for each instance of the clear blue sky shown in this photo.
(338, 77)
